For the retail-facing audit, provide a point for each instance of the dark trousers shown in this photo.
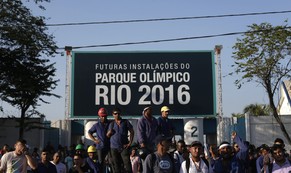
(101, 154)
(121, 161)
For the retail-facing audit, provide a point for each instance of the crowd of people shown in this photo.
(155, 151)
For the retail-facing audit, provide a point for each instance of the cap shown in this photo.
(196, 143)
(161, 138)
(91, 149)
(165, 108)
(79, 147)
(102, 112)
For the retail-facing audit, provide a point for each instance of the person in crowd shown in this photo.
(135, 160)
(235, 147)
(4, 150)
(101, 140)
(22, 156)
(61, 168)
(147, 127)
(195, 163)
(165, 126)
(80, 149)
(160, 160)
(180, 154)
(80, 165)
(45, 166)
(92, 159)
(251, 167)
(280, 141)
(214, 155)
(229, 162)
(119, 144)
(264, 152)
(280, 163)
(35, 155)
(69, 160)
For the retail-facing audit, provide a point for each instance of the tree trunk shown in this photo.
(21, 124)
(278, 119)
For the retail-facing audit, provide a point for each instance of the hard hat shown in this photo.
(165, 108)
(91, 149)
(79, 147)
(102, 112)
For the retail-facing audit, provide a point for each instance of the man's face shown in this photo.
(77, 160)
(165, 114)
(164, 146)
(102, 119)
(225, 152)
(148, 112)
(56, 158)
(236, 148)
(196, 151)
(116, 114)
(278, 155)
(20, 148)
(44, 156)
(91, 155)
(181, 147)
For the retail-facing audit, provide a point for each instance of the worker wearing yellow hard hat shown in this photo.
(92, 158)
(165, 126)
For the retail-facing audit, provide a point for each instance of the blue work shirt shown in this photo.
(147, 131)
(165, 127)
(120, 136)
(100, 129)
(93, 165)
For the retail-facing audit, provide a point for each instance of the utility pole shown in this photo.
(220, 123)
(68, 50)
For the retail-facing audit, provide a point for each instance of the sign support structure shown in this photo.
(220, 122)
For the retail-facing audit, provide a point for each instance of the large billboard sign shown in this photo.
(184, 81)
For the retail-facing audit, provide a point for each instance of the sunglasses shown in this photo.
(116, 113)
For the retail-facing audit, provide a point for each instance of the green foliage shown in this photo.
(258, 110)
(26, 75)
(263, 56)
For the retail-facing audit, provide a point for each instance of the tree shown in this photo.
(263, 56)
(25, 75)
(258, 110)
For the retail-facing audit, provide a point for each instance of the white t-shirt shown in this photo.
(12, 163)
(61, 168)
(192, 168)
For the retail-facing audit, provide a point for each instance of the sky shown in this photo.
(68, 11)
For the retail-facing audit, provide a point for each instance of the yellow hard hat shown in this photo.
(165, 108)
(91, 149)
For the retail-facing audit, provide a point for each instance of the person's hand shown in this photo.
(96, 141)
(142, 145)
(233, 134)
(110, 133)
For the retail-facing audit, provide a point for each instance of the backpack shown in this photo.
(188, 163)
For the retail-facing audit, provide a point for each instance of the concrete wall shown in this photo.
(9, 133)
(265, 129)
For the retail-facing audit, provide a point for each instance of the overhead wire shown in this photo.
(164, 19)
(168, 19)
(165, 40)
